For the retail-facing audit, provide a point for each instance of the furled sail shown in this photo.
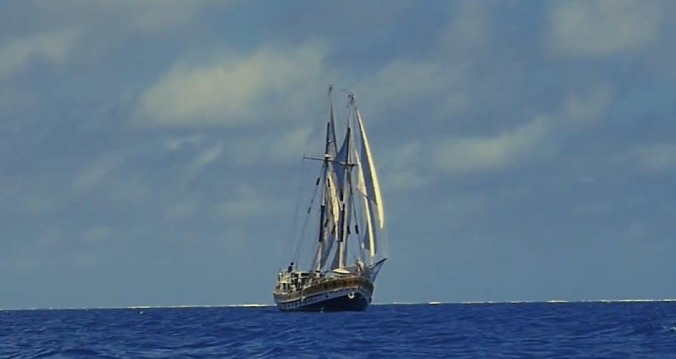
(342, 171)
(368, 241)
(332, 221)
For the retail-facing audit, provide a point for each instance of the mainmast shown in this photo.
(327, 216)
(344, 159)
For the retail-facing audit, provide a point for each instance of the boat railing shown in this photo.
(297, 280)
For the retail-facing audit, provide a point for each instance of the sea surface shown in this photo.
(488, 330)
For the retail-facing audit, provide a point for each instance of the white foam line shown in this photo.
(145, 307)
(551, 301)
(262, 305)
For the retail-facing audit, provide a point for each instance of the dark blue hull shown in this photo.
(341, 304)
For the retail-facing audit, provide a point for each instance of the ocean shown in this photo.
(481, 330)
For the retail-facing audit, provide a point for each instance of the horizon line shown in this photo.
(263, 305)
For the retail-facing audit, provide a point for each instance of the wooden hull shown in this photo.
(334, 295)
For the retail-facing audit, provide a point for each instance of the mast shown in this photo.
(344, 159)
(327, 188)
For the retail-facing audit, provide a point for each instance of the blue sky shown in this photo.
(150, 149)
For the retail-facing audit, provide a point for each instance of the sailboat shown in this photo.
(346, 243)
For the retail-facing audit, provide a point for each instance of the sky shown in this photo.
(151, 151)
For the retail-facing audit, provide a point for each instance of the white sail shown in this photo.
(369, 239)
(370, 174)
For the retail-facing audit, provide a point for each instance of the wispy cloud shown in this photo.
(97, 234)
(125, 16)
(602, 27)
(470, 26)
(463, 155)
(180, 210)
(595, 207)
(579, 111)
(268, 147)
(655, 158)
(52, 47)
(208, 156)
(232, 90)
(247, 203)
(178, 142)
(405, 167)
(155, 16)
(436, 87)
(461, 208)
(201, 161)
(96, 172)
(585, 108)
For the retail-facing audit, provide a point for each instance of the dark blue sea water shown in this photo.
(520, 330)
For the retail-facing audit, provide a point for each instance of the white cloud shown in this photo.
(404, 83)
(404, 79)
(275, 147)
(289, 145)
(594, 207)
(404, 167)
(203, 159)
(446, 77)
(178, 142)
(655, 158)
(129, 189)
(15, 105)
(159, 15)
(95, 173)
(248, 203)
(579, 111)
(52, 47)
(461, 208)
(469, 27)
(180, 210)
(208, 156)
(462, 155)
(34, 203)
(587, 107)
(97, 233)
(602, 27)
(233, 90)
(635, 230)
(404, 179)
(128, 16)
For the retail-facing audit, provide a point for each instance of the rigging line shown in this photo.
(354, 212)
(316, 125)
(341, 89)
(360, 242)
(353, 208)
(299, 239)
(292, 228)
